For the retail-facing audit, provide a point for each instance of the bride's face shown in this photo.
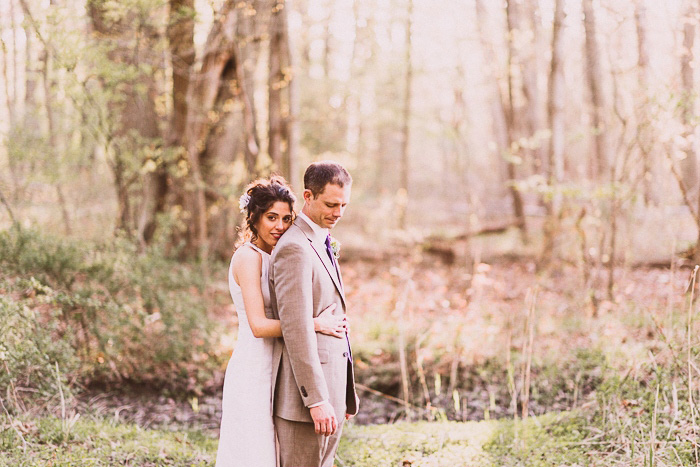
(273, 223)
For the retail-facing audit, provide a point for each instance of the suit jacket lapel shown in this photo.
(323, 256)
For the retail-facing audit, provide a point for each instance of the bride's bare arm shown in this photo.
(247, 269)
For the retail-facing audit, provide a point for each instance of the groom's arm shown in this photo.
(293, 289)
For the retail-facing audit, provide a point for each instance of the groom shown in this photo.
(314, 392)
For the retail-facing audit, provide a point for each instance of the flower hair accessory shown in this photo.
(335, 247)
(243, 202)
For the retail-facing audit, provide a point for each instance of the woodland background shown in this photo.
(521, 241)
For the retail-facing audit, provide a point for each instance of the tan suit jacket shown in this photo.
(310, 367)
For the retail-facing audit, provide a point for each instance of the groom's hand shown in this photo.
(324, 419)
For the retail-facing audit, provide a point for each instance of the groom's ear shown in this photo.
(308, 195)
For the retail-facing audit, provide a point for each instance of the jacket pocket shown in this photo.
(323, 355)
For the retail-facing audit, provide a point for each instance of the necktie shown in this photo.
(329, 250)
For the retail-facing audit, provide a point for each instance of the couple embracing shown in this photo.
(289, 385)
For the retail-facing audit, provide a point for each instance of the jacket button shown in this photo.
(345, 354)
(303, 391)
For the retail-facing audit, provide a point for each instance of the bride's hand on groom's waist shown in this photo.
(329, 324)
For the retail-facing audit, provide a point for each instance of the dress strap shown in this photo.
(250, 244)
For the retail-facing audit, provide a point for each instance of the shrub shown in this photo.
(34, 361)
(125, 315)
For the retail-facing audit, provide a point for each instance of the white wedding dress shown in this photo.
(247, 437)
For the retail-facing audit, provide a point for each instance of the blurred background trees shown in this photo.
(571, 121)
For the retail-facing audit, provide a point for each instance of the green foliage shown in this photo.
(28, 253)
(33, 354)
(126, 315)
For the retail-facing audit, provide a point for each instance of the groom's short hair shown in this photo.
(320, 174)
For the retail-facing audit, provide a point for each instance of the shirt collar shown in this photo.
(320, 233)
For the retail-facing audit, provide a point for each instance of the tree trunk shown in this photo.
(279, 79)
(687, 104)
(222, 78)
(250, 28)
(135, 112)
(530, 67)
(8, 96)
(498, 115)
(180, 34)
(122, 188)
(555, 120)
(555, 107)
(10, 120)
(512, 18)
(327, 48)
(13, 29)
(29, 73)
(54, 144)
(181, 41)
(8, 208)
(402, 197)
(599, 164)
(293, 118)
(645, 140)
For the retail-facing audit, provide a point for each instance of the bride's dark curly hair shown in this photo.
(263, 193)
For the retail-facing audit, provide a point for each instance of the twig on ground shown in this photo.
(381, 394)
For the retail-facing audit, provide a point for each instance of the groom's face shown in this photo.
(328, 207)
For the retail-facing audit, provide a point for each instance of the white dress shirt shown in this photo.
(320, 233)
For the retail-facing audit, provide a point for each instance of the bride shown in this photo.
(247, 437)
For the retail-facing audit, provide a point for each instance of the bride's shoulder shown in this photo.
(246, 256)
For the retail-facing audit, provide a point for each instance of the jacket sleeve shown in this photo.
(293, 290)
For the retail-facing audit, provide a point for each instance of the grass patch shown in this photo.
(101, 443)
(563, 439)
(538, 441)
(552, 439)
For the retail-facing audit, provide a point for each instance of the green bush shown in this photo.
(27, 252)
(34, 361)
(125, 315)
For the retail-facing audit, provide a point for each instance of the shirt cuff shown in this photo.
(317, 404)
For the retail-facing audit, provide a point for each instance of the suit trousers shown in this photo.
(300, 446)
